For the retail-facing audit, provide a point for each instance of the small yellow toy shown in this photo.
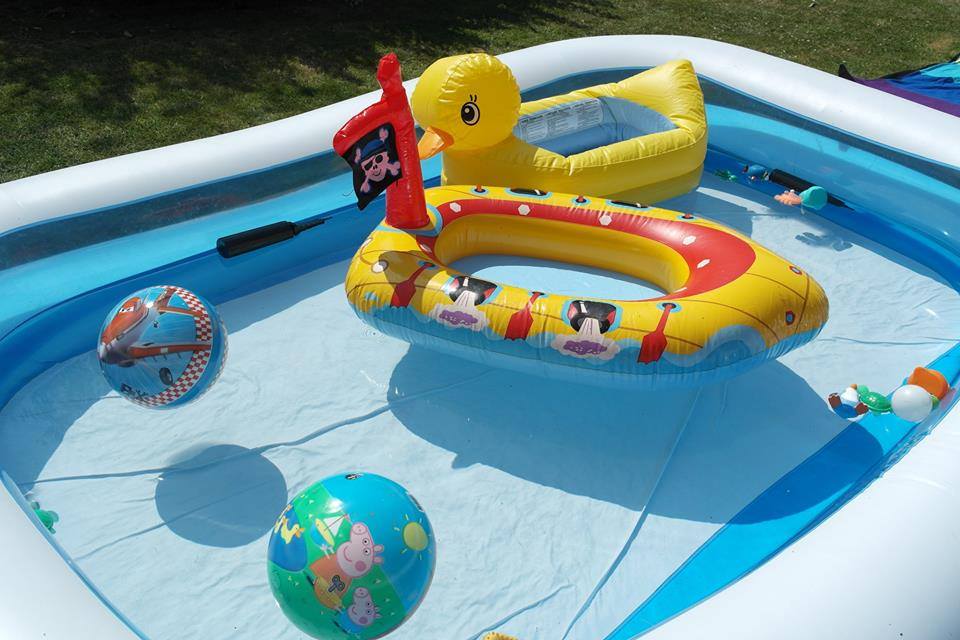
(642, 139)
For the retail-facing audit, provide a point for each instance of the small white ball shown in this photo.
(911, 403)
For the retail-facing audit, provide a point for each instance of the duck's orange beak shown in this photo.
(433, 142)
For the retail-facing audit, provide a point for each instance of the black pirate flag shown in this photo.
(375, 163)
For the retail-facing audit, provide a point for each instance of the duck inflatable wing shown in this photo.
(643, 139)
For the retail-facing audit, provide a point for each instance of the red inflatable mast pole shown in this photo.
(406, 207)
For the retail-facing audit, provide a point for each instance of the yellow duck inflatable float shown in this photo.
(641, 139)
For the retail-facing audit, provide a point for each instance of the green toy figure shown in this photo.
(723, 174)
(48, 518)
(875, 401)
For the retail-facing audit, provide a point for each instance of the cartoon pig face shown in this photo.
(362, 612)
(358, 555)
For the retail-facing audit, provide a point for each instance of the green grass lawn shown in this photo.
(83, 81)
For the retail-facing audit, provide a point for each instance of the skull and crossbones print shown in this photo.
(376, 166)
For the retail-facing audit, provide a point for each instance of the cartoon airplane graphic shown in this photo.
(120, 341)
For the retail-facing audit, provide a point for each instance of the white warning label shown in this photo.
(559, 120)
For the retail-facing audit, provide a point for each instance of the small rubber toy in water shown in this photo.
(756, 172)
(723, 174)
(876, 402)
(931, 380)
(162, 347)
(912, 403)
(847, 404)
(351, 557)
(47, 518)
(813, 198)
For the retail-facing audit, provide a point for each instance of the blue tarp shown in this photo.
(936, 86)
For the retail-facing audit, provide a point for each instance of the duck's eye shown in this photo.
(470, 113)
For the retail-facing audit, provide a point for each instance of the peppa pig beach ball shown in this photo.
(162, 347)
(351, 557)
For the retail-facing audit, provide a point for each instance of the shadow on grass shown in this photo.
(114, 55)
(83, 81)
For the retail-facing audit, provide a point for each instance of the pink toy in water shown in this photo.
(813, 198)
(789, 198)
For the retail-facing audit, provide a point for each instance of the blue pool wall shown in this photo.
(904, 202)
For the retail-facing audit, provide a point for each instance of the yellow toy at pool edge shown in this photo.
(470, 104)
(497, 636)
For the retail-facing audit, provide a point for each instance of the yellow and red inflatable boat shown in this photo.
(729, 305)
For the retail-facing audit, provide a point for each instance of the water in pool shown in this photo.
(557, 507)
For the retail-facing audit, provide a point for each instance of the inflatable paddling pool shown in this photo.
(748, 507)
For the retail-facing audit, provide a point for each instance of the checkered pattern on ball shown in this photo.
(198, 361)
(202, 319)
